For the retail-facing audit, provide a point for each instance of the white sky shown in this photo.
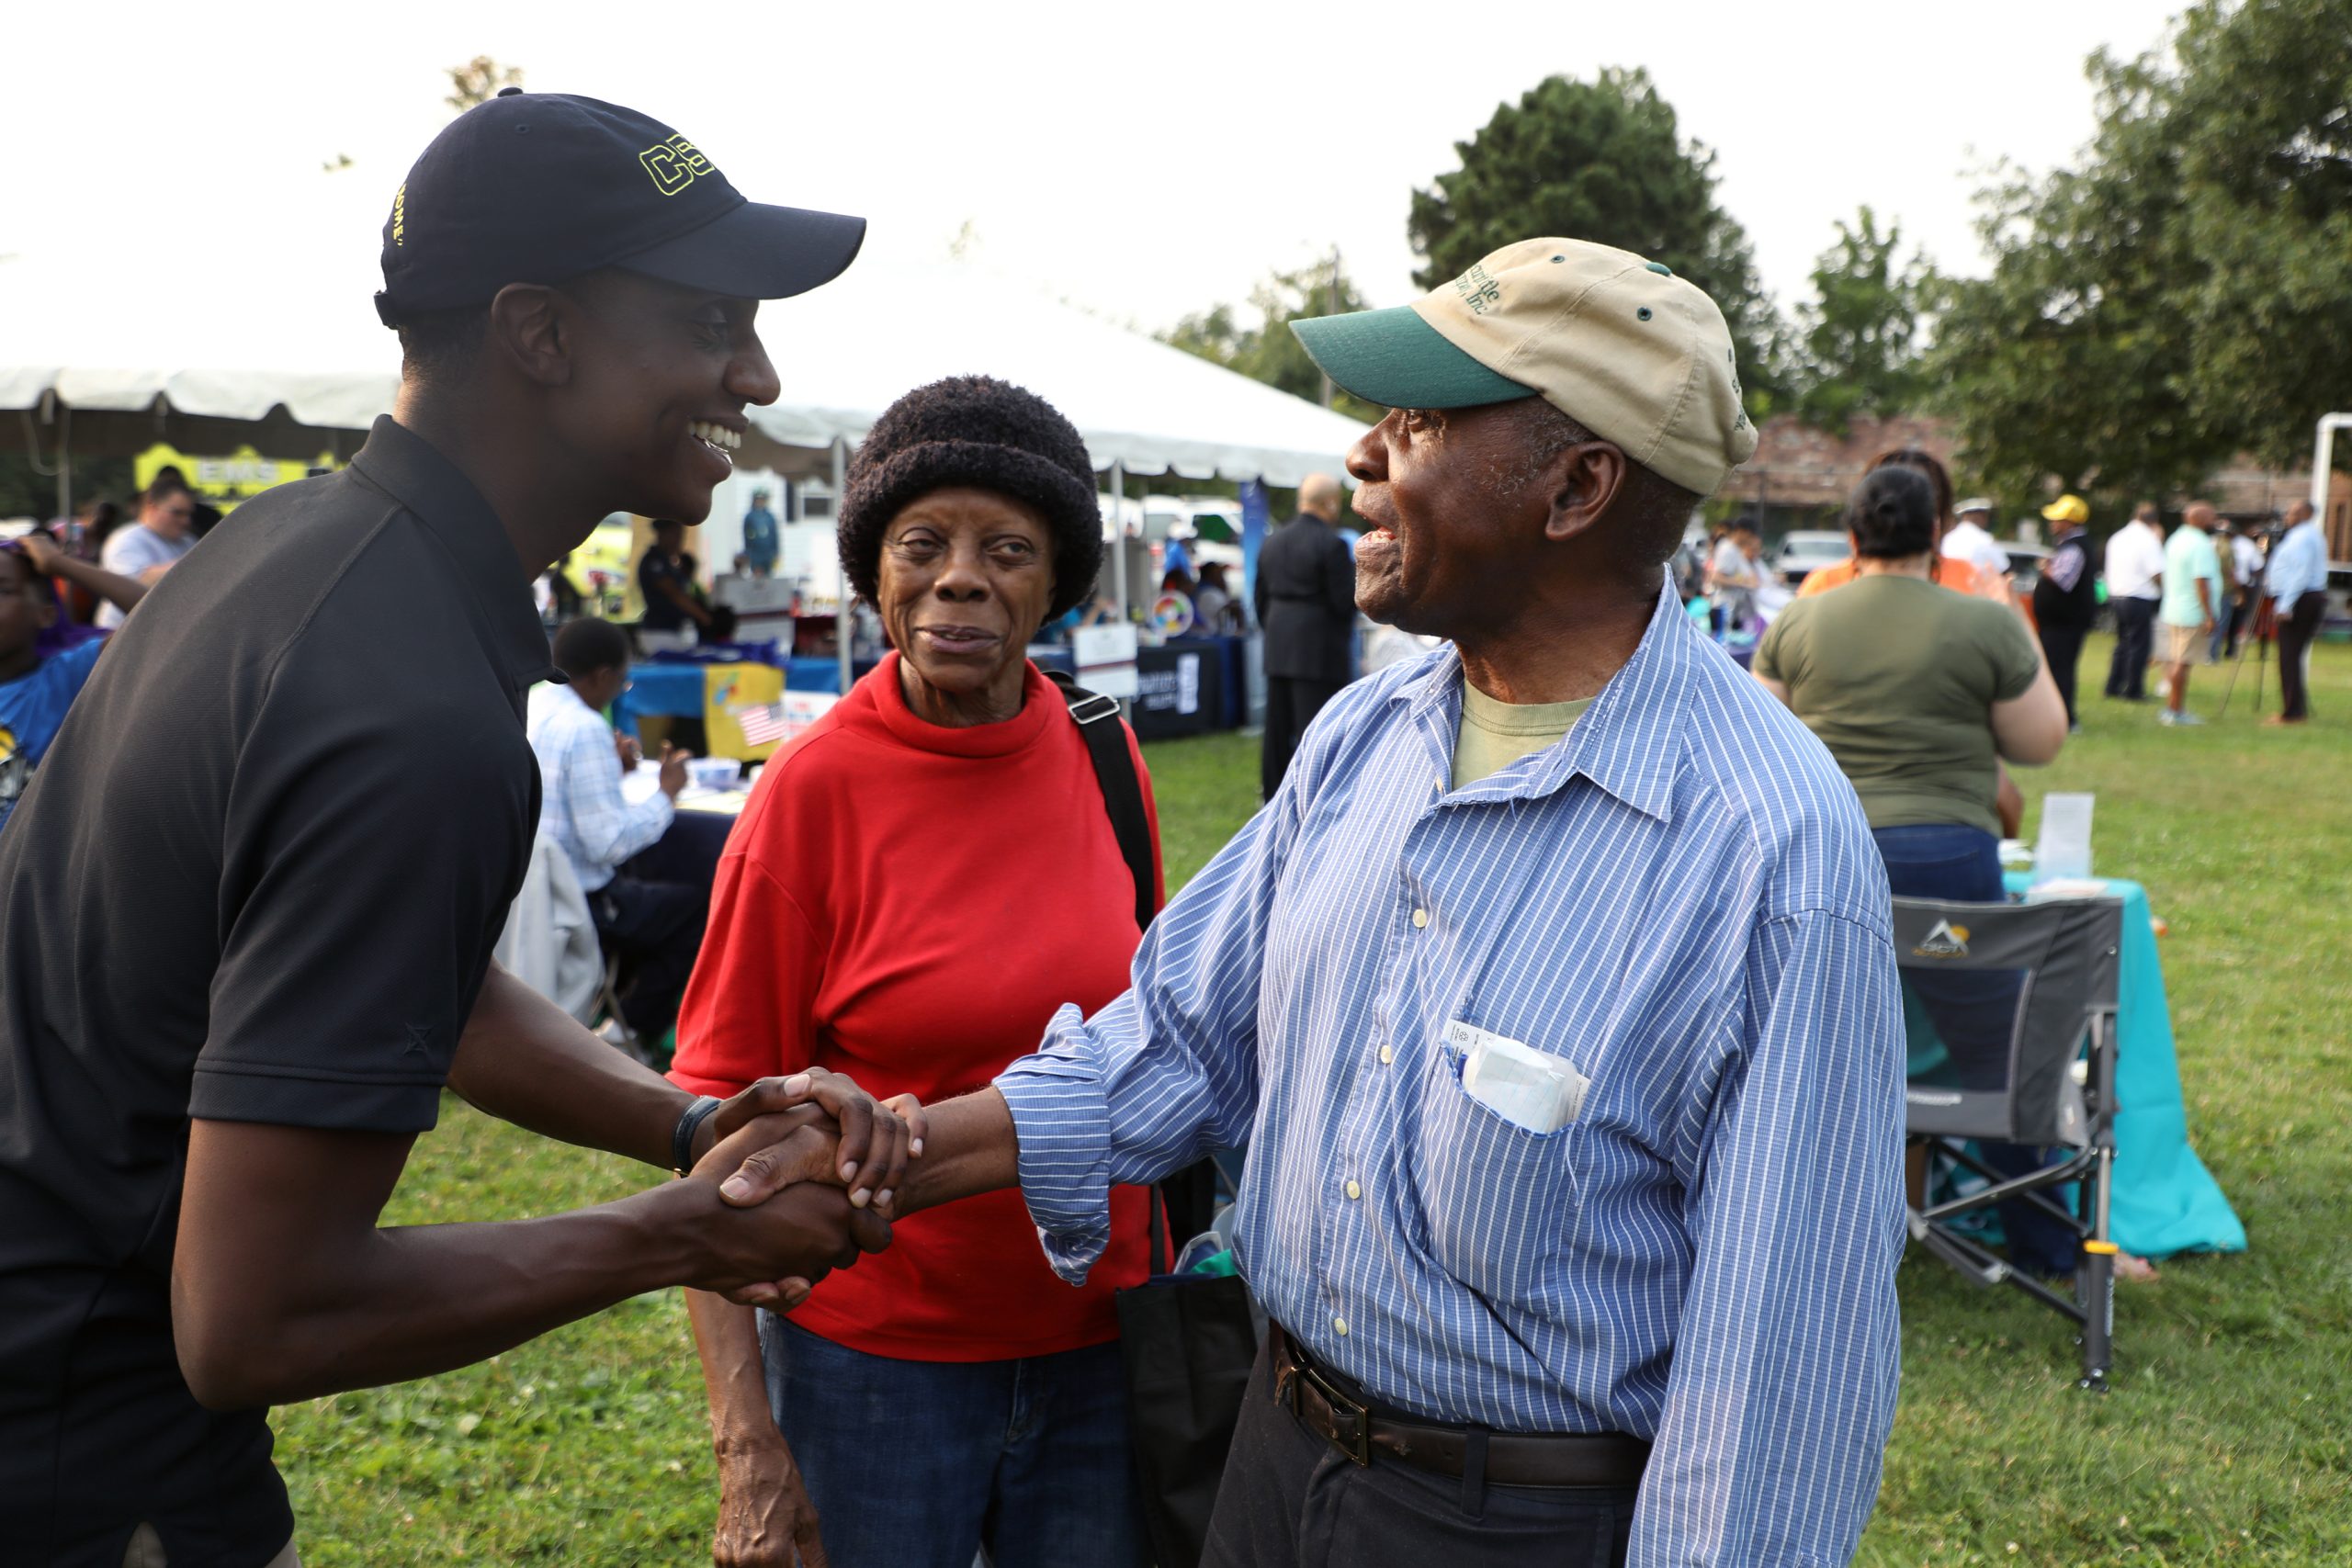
(1142, 160)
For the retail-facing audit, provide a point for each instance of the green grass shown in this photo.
(2226, 1437)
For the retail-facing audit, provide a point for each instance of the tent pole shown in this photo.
(842, 621)
(1119, 537)
(65, 467)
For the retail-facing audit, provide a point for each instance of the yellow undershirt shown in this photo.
(1495, 734)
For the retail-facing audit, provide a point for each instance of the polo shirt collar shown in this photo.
(1627, 742)
(407, 467)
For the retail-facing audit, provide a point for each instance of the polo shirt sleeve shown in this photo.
(368, 861)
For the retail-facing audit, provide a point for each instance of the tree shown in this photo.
(1859, 335)
(1601, 160)
(478, 81)
(1268, 350)
(2186, 293)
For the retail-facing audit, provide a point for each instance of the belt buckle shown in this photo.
(1351, 1422)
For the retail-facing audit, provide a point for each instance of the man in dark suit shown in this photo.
(1305, 598)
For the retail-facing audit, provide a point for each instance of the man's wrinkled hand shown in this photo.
(875, 1139)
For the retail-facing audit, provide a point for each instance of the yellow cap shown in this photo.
(2068, 509)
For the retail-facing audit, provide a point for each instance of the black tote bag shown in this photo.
(1188, 1341)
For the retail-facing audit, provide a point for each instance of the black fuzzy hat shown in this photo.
(976, 431)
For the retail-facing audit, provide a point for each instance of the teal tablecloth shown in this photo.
(2164, 1199)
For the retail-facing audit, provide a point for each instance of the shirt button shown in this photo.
(1387, 1055)
(1340, 1326)
(1421, 917)
(1354, 1190)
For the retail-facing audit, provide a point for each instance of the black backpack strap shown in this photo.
(1114, 770)
(1183, 1203)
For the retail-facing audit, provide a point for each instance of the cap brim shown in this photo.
(756, 251)
(1395, 359)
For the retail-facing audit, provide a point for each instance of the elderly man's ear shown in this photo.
(1585, 481)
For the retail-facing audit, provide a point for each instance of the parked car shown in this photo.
(2025, 565)
(1806, 551)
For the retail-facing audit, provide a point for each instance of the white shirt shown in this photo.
(2245, 557)
(2135, 559)
(1967, 541)
(134, 548)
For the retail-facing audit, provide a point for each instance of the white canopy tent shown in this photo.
(108, 366)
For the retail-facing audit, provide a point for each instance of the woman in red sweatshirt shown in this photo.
(919, 881)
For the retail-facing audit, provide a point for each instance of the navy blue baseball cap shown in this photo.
(535, 187)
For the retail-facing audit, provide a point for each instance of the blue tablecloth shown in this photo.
(2164, 1199)
(674, 689)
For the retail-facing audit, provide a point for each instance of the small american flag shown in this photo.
(762, 723)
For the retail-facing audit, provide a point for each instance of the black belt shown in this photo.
(1510, 1459)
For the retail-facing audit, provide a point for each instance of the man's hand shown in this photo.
(674, 768)
(626, 747)
(875, 1143)
(764, 1513)
(771, 1255)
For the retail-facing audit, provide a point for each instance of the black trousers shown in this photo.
(2135, 632)
(1290, 703)
(1291, 1500)
(656, 926)
(2296, 629)
(2063, 646)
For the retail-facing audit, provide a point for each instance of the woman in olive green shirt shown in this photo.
(1919, 692)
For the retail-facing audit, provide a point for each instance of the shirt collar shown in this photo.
(407, 467)
(1626, 743)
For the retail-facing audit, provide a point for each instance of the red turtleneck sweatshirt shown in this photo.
(909, 904)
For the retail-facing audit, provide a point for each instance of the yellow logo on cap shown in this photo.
(400, 215)
(674, 164)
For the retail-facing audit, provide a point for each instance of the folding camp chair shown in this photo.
(2010, 1010)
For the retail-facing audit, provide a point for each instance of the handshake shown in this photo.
(794, 1177)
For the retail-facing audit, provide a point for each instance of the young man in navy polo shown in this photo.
(247, 906)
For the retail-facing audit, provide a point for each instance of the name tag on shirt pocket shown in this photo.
(1502, 1202)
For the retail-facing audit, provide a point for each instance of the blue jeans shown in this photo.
(1974, 1010)
(920, 1465)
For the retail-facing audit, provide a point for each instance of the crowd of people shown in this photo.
(1548, 985)
(2207, 585)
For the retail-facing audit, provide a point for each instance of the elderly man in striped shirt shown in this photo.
(1553, 996)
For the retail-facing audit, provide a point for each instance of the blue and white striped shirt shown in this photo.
(1682, 898)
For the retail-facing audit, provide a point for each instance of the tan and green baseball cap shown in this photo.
(1620, 345)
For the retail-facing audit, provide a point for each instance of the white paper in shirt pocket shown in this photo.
(1527, 1088)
